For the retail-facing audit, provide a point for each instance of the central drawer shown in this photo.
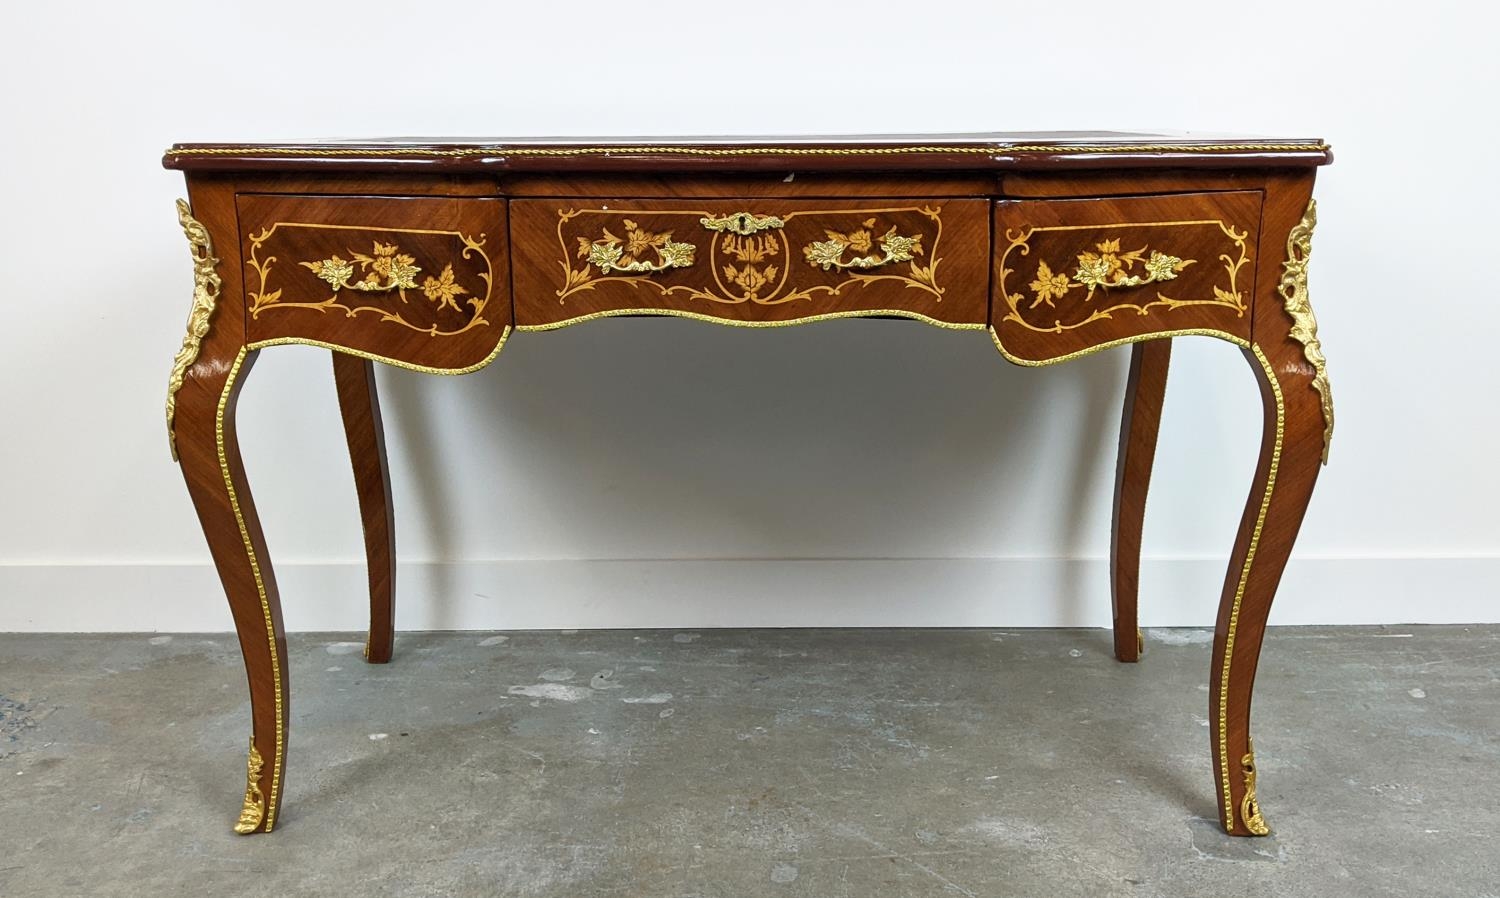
(755, 262)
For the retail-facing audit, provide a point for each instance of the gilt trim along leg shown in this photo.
(203, 390)
(1298, 422)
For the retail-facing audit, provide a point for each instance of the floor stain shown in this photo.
(1015, 833)
(604, 679)
(655, 698)
(16, 718)
(1179, 636)
(558, 692)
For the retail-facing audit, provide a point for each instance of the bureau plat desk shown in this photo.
(429, 254)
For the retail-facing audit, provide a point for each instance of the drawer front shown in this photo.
(1073, 275)
(415, 280)
(754, 261)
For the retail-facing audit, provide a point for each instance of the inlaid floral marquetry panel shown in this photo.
(755, 261)
(1072, 275)
(418, 280)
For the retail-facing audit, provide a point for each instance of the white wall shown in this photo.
(592, 476)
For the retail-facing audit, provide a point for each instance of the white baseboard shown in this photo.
(517, 595)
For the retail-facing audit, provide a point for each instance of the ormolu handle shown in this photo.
(387, 268)
(1107, 267)
(607, 252)
(828, 254)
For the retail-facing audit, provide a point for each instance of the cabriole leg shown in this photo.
(209, 453)
(1289, 365)
(1139, 424)
(202, 391)
(360, 406)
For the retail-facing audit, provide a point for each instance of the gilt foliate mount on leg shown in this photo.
(1249, 805)
(206, 287)
(1293, 290)
(253, 813)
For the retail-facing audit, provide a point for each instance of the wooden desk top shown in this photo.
(882, 152)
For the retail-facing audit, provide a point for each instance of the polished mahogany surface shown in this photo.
(933, 152)
(431, 254)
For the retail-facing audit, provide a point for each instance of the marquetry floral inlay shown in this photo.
(1106, 267)
(386, 268)
(753, 275)
(750, 255)
(443, 289)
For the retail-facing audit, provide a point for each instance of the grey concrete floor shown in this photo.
(737, 763)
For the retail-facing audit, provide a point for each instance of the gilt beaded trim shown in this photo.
(647, 149)
(791, 322)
